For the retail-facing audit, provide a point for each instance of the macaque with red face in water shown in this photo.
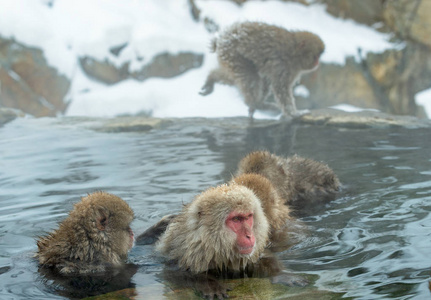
(227, 230)
(238, 226)
(95, 237)
(260, 59)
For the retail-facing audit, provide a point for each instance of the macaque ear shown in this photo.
(102, 220)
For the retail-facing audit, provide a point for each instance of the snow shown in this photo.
(351, 108)
(67, 30)
(424, 98)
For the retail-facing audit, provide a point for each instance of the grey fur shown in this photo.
(259, 59)
(302, 182)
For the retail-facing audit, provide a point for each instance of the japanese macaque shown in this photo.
(95, 237)
(302, 182)
(274, 208)
(226, 230)
(224, 227)
(259, 59)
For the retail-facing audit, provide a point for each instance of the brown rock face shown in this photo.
(409, 19)
(386, 81)
(333, 84)
(164, 65)
(28, 83)
(363, 11)
(104, 71)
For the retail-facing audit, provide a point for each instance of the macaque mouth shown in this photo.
(246, 249)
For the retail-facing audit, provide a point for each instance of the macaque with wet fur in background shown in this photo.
(305, 184)
(95, 237)
(260, 59)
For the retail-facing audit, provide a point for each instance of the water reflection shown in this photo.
(78, 287)
(371, 243)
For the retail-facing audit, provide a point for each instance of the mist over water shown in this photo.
(373, 242)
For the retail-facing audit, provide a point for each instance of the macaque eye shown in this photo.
(103, 221)
(236, 219)
(250, 216)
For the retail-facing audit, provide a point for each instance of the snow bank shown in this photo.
(424, 98)
(68, 29)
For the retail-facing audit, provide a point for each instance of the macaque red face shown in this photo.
(316, 61)
(242, 225)
(131, 238)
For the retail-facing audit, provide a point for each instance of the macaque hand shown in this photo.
(206, 90)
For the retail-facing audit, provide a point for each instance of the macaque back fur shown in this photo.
(95, 235)
(259, 58)
(198, 238)
(302, 182)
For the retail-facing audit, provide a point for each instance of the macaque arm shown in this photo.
(215, 76)
(151, 235)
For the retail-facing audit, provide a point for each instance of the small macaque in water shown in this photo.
(228, 230)
(303, 183)
(95, 237)
(260, 59)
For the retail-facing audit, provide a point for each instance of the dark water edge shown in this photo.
(373, 242)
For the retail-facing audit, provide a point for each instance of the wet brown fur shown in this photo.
(94, 236)
(302, 182)
(259, 59)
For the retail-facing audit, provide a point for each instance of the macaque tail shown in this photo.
(152, 234)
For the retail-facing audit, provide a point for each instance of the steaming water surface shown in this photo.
(373, 242)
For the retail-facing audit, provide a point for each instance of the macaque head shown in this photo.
(106, 218)
(234, 216)
(95, 236)
(224, 227)
(310, 48)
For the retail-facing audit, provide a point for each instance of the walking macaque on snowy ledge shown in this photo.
(234, 229)
(260, 59)
(95, 237)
